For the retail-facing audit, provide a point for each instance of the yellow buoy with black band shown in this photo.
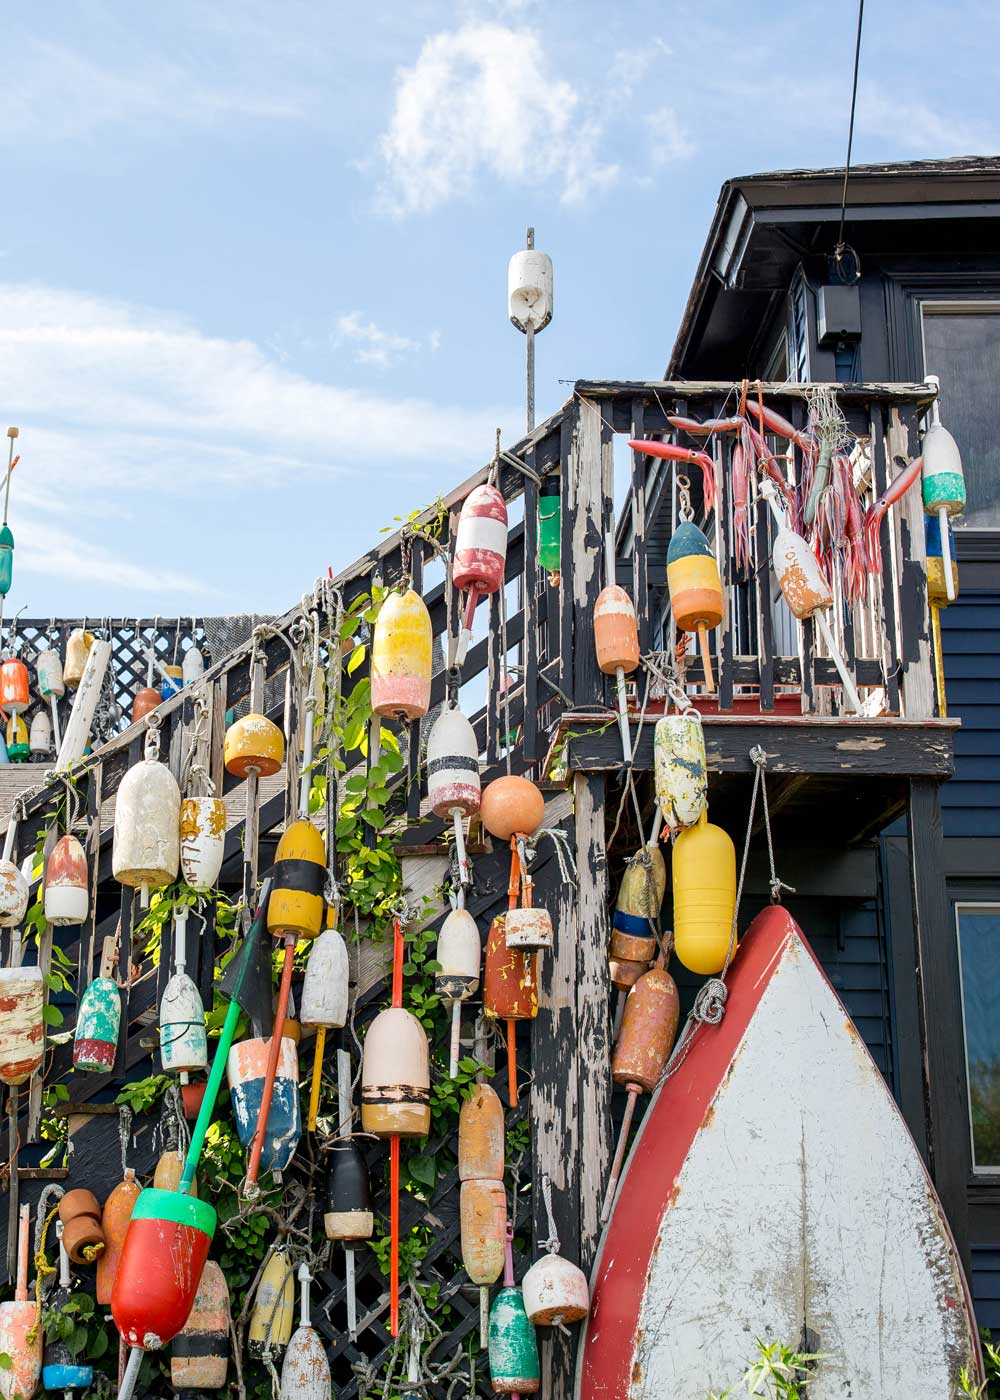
(695, 588)
(296, 903)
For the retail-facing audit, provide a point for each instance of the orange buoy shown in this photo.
(253, 746)
(15, 686)
(83, 1233)
(510, 990)
(145, 700)
(482, 1201)
(512, 806)
(695, 588)
(616, 639)
(67, 883)
(114, 1221)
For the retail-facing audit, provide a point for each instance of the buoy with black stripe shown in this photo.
(199, 1354)
(395, 1094)
(183, 1038)
(480, 554)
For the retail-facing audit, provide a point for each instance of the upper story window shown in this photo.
(979, 954)
(962, 347)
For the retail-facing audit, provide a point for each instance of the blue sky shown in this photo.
(253, 255)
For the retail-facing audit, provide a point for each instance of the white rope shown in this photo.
(551, 1244)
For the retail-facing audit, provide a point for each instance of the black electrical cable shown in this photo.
(841, 247)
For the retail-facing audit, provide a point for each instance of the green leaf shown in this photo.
(52, 1016)
(99, 1345)
(422, 1166)
(5, 1361)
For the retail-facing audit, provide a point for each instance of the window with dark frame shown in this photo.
(962, 347)
(978, 928)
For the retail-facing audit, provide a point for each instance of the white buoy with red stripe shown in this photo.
(480, 553)
(453, 784)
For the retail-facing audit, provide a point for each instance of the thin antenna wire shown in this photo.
(850, 134)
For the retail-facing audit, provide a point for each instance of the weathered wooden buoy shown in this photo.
(943, 481)
(17, 740)
(459, 953)
(146, 851)
(633, 924)
(169, 1170)
(480, 553)
(642, 1049)
(555, 1292)
(51, 686)
(246, 1072)
(550, 527)
(67, 883)
(616, 639)
(192, 665)
(512, 806)
(453, 784)
(324, 1003)
(61, 1370)
(348, 1213)
(13, 885)
(395, 1094)
(203, 841)
(83, 1233)
(98, 1019)
(513, 1347)
(115, 1219)
(401, 657)
(22, 1029)
(253, 745)
(939, 595)
(199, 1354)
(695, 588)
(183, 1038)
(510, 990)
(296, 903)
(15, 686)
(20, 1326)
(78, 645)
(273, 1315)
(529, 929)
(482, 1201)
(704, 884)
(680, 769)
(40, 734)
(165, 1250)
(171, 681)
(145, 700)
(305, 1371)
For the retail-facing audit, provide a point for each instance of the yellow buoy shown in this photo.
(78, 645)
(401, 657)
(274, 1306)
(296, 902)
(704, 879)
(253, 745)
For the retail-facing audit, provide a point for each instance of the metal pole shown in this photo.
(529, 337)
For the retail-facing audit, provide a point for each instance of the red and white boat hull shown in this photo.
(774, 1192)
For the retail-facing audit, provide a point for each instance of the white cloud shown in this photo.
(373, 345)
(482, 99)
(917, 126)
(670, 142)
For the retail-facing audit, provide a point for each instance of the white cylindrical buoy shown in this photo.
(453, 783)
(529, 289)
(146, 849)
(84, 705)
(183, 1039)
(40, 734)
(203, 841)
(325, 990)
(680, 769)
(192, 665)
(459, 953)
(67, 884)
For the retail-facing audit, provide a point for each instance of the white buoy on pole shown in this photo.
(529, 304)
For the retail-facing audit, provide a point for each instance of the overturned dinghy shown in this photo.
(774, 1192)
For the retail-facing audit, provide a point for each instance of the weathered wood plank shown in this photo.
(529, 606)
(915, 627)
(640, 575)
(583, 502)
(796, 744)
(712, 388)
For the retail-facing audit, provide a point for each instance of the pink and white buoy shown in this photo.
(480, 554)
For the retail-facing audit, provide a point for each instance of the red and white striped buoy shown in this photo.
(480, 553)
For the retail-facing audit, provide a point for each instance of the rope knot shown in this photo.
(758, 757)
(710, 1003)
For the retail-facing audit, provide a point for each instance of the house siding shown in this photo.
(970, 636)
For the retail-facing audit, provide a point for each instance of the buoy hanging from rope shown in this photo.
(453, 783)
(513, 1347)
(247, 1071)
(804, 588)
(199, 1354)
(203, 841)
(273, 1315)
(305, 1371)
(555, 1290)
(115, 1219)
(459, 954)
(6, 537)
(704, 884)
(401, 659)
(645, 1040)
(15, 686)
(21, 1331)
(61, 1369)
(324, 1003)
(98, 1019)
(510, 991)
(83, 1233)
(483, 1201)
(192, 665)
(395, 1094)
(637, 911)
(146, 850)
(67, 883)
(51, 686)
(183, 1038)
(348, 1216)
(616, 638)
(694, 583)
(680, 769)
(17, 740)
(943, 481)
(40, 734)
(480, 553)
(938, 596)
(78, 647)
